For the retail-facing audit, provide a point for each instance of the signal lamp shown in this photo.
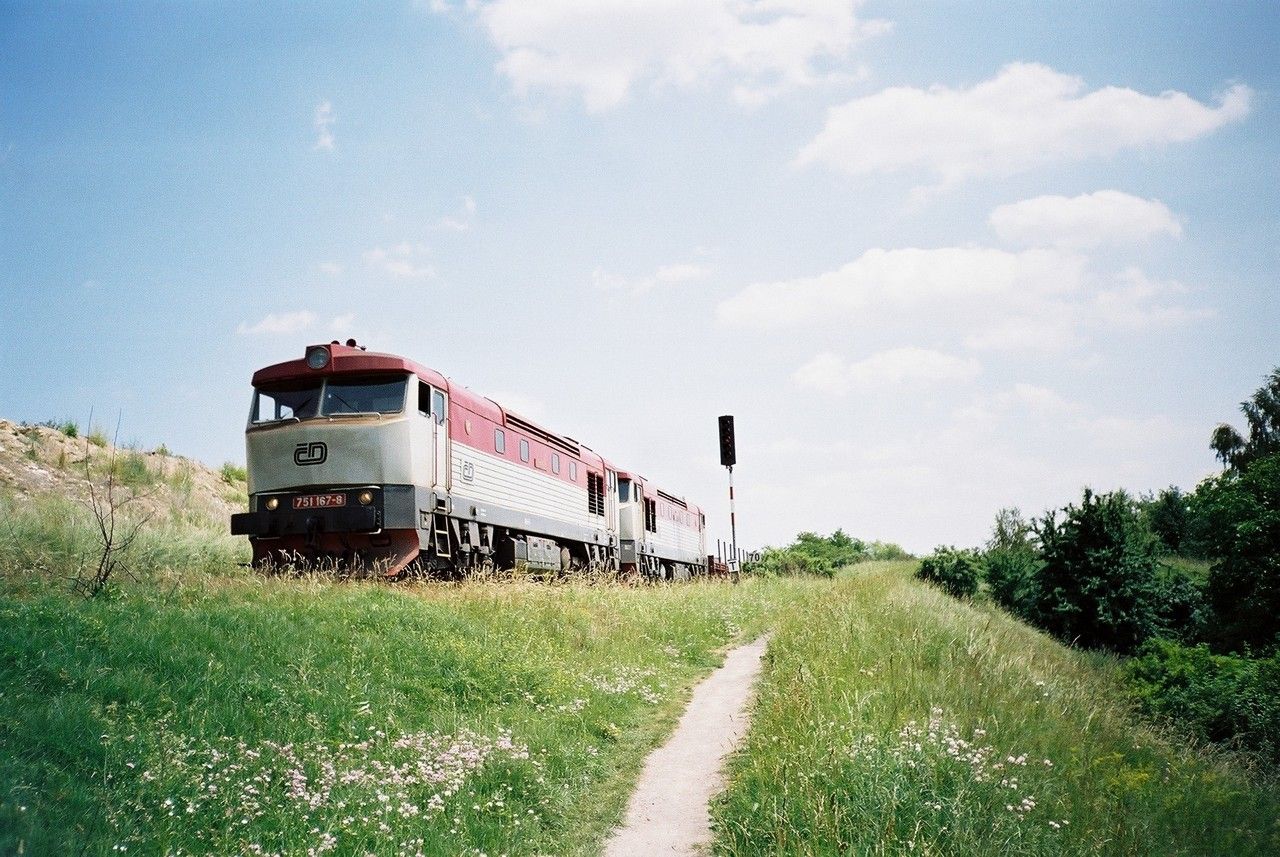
(365, 498)
(272, 503)
(318, 357)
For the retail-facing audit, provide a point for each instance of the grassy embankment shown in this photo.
(207, 710)
(895, 719)
(220, 713)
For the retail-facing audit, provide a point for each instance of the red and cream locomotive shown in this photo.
(373, 460)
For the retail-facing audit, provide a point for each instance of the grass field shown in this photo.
(895, 719)
(204, 709)
(273, 717)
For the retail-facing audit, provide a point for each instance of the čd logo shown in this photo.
(315, 452)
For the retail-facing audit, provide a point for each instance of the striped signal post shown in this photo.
(728, 458)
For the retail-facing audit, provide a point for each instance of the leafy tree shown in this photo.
(1011, 531)
(955, 570)
(1262, 418)
(1168, 516)
(1096, 585)
(1242, 511)
(1011, 563)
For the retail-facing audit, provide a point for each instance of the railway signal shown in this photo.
(728, 458)
(728, 455)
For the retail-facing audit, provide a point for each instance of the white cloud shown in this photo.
(403, 261)
(1088, 220)
(1050, 328)
(278, 323)
(323, 124)
(1137, 302)
(342, 323)
(1026, 116)
(1045, 299)
(895, 368)
(910, 280)
(329, 268)
(1035, 409)
(603, 49)
(664, 277)
(1022, 399)
(460, 222)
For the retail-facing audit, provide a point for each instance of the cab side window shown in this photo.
(499, 441)
(438, 406)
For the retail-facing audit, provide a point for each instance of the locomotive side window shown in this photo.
(353, 396)
(282, 402)
(624, 491)
(651, 515)
(555, 463)
(438, 405)
(499, 441)
(424, 398)
(524, 449)
(573, 470)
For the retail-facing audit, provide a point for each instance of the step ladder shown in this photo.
(440, 536)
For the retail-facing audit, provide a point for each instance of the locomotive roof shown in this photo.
(353, 359)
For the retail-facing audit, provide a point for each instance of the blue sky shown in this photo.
(937, 258)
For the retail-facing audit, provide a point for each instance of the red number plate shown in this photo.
(319, 501)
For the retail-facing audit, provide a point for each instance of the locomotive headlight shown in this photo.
(318, 357)
(272, 503)
(365, 497)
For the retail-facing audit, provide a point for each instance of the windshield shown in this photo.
(282, 402)
(364, 396)
(302, 400)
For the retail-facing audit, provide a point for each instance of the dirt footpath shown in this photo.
(668, 811)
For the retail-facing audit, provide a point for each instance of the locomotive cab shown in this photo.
(345, 451)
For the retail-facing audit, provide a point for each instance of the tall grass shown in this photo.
(275, 716)
(895, 719)
(47, 540)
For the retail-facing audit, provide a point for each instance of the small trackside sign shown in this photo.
(314, 452)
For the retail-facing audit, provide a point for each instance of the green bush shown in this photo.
(777, 562)
(1222, 698)
(97, 436)
(1181, 610)
(836, 550)
(131, 469)
(1096, 586)
(886, 552)
(232, 473)
(956, 570)
(1011, 579)
(69, 428)
(1011, 563)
